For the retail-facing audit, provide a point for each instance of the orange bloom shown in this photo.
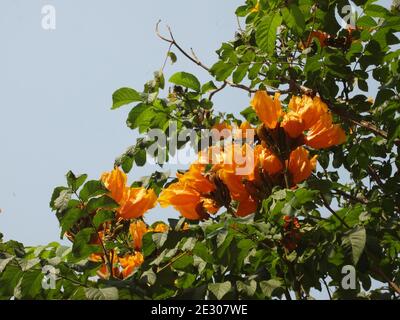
(134, 202)
(324, 134)
(210, 205)
(267, 110)
(130, 262)
(115, 182)
(320, 35)
(246, 207)
(300, 166)
(137, 230)
(267, 160)
(161, 227)
(183, 198)
(103, 271)
(293, 124)
(309, 110)
(185, 227)
(194, 178)
(137, 202)
(238, 164)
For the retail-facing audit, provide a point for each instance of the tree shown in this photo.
(275, 229)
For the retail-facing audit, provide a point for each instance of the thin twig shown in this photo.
(327, 289)
(197, 61)
(326, 204)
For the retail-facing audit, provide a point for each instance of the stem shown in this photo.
(195, 60)
(173, 260)
(326, 204)
(327, 289)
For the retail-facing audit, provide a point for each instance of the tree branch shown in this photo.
(192, 57)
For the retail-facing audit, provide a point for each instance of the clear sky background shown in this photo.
(56, 88)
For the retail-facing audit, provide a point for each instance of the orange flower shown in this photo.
(115, 182)
(324, 134)
(210, 205)
(194, 178)
(183, 198)
(293, 124)
(185, 227)
(309, 110)
(103, 271)
(134, 202)
(137, 202)
(246, 207)
(300, 166)
(267, 110)
(160, 227)
(320, 35)
(130, 262)
(267, 160)
(137, 230)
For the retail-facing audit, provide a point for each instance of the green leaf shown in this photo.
(4, 262)
(248, 288)
(240, 73)
(208, 86)
(220, 289)
(354, 241)
(82, 247)
(159, 238)
(31, 284)
(222, 70)
(138, 115)
(92, 188)
(172, 56)
(149, 277)
(125, 96)
(374, 10)
(102, 216)
(9, 280)
(74, 182)
(250, 115)
(202, 252)
(269, 286)
(104, 202)
(27, 264)
(294, 18)
(140, 157)
(148, 245)
(183, 262)
(70, 218)
(186, 80)
(366, 22)
(101, 293)
(266, 32)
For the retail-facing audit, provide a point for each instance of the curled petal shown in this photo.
(268, 110)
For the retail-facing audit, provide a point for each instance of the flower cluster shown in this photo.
(124, 265)
(133, 203)
(238, 176)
